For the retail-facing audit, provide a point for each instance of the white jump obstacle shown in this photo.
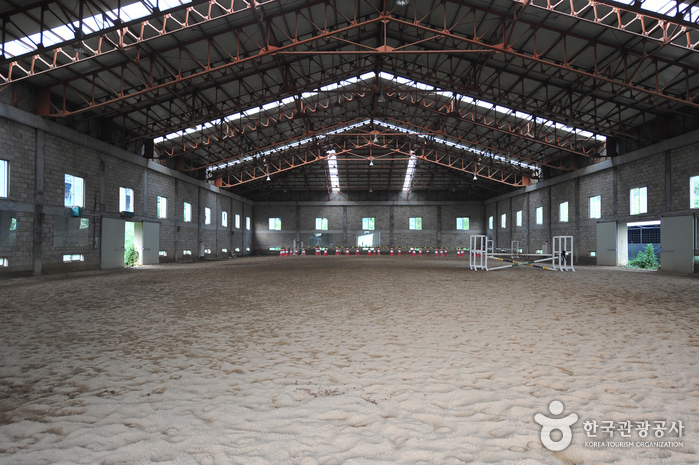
(514, 250)
(482, 249)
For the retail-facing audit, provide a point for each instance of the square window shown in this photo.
(125, 199)
(237, 221)
(73, 258)
(186, 252)
(275, 224)
(539, 215)
(596, 206)
(322, 224)
(490, 222)
(84, 223)
(462, 224)
(162, 253)
(4, 262)
(247, 223)
(74, 194)
(368, 224)
(519, 218)
(162, 207)
(415, 223)
(207, 215)
(187, 214)
(224, 219)
(503, 220)
(638, 201)
(693, 192)
(4, 179)
(563, 212)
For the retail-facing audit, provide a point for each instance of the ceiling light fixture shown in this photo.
(402, 2)
(79, 45)
(268, 179)
(371, 161)
(376, 138)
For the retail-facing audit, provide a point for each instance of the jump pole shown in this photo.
(561, 258)
(516, 263)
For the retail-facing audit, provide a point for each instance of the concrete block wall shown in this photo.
(474, 211)
(600, 183)
(17, 143)
(336, 220)
(683, 167)
(665, 169)
(405, 237)
(266, 238)
(392, 220)
(40, 153)
(381, 213)
(560, 193)
(519, 233)
(648, 172)
(35, 146)
(78, 161)
(539, 234)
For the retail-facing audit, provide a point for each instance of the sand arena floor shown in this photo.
(344, 360)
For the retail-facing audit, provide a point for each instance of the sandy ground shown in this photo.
(345, 360)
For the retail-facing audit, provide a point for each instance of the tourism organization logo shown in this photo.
(606, 433)
(549, 425)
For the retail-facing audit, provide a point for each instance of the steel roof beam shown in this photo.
(655, 27)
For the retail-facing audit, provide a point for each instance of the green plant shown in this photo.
(645, 259)
(131, 257)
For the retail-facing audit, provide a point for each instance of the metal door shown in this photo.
(112, 253)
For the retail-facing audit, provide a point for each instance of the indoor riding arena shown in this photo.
(349, 232)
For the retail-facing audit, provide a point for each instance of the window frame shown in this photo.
(369, 222)
(248, 224)
(539, 212)
(161, 210)
(186, 212)
(598, 207)
(277, 226)
(491, 222)
(503, 221)
(518, 218)
(642, 200)
(207, 215)
(694, 192)
(465, 220)
(224, 219)
(4, 178)
(123, 194)
(415, 223)
(561, 219)
(72, 196)
(323, 224)
(237, 221)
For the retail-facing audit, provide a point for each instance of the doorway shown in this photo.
(642, 233)
(131, 253)
(120, 236)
